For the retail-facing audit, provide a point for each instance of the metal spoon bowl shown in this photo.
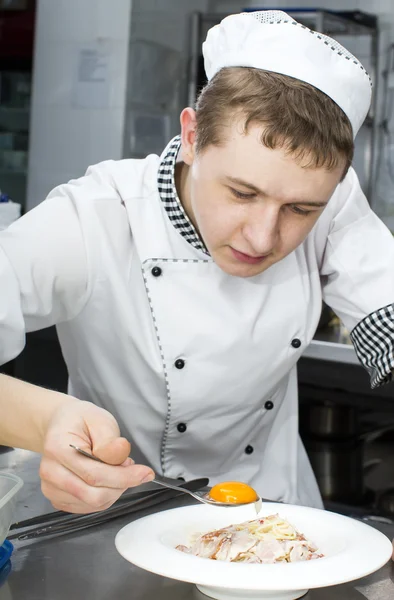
(200, 496)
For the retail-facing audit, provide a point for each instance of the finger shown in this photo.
(55, 476)
(393, 551)
(97, 432)
(85, 444)
(113, 451)
(64, 501)
(104, 433)
(92, 473)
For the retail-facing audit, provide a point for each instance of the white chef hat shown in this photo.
(274, 41)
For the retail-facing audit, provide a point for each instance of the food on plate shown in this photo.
(266, 540)
(233, 492)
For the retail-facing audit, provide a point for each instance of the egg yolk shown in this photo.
(233, 492)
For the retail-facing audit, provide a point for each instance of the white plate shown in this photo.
(352, 550)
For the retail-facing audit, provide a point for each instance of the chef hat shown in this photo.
(274, 41)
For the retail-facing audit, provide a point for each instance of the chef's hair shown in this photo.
(295, 116)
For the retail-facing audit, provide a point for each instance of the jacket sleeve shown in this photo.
(357, 270)
(47, 261)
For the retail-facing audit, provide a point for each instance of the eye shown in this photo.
(241, 195)
(300, 211)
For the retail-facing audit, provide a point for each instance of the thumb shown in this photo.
(113, 451)
(105, 438)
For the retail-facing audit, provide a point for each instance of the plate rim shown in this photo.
(198, 577)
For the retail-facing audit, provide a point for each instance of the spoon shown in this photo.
(200, 496)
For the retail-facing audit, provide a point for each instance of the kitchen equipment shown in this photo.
(9, 212)
(385, 501)
(9, 486)
(6, 551)
(351, 550)
(335, 443)
(331, 435)
(60, 523)
(130, 496)
(200, 496)
(338, 467)
(327, 314)
(329, 421)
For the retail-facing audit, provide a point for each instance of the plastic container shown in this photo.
(9, 212)
(5, 554)
(9, 486)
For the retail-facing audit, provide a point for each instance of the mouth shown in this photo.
(247, 258)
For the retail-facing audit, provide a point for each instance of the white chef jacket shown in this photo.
(198, 367)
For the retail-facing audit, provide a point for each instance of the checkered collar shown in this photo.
(168, 194)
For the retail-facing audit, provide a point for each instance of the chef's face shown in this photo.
(251, 205)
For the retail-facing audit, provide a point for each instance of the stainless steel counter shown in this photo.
(86, 565)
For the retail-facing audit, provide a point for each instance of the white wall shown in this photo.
(67, 134)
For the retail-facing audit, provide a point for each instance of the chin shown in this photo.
(239, 269)
(245, 272)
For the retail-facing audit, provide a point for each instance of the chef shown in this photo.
(186, 287)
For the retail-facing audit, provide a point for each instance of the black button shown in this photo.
(182, 427)
(249, 450)
(156, 271)
(296, 343)
(179, 363)
(269, 405)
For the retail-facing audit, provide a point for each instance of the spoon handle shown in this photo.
(175, 487)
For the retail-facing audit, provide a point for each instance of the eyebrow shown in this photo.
(257, 190)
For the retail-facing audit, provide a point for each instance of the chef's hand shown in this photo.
(75, 483)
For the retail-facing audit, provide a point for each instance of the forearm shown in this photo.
(25, 411)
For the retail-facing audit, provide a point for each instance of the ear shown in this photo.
(188, 134)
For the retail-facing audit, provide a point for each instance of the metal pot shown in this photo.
(385, 502)
(329, 421)
(335, 445)
(326, 316)
(338, 467)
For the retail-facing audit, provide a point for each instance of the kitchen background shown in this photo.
(82, 82)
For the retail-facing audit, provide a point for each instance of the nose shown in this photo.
(261, 231)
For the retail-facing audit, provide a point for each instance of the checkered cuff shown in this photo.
(373, 340)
